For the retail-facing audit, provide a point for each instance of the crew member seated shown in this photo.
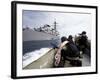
(67, 51)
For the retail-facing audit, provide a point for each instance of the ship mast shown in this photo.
(55, 24)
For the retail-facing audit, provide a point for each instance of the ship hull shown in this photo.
(30, 35)
(34, 40)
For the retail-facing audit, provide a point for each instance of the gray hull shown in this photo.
(33, 40)
(47, 61)
(30, 35)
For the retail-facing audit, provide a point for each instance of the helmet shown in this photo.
(84, 32)
(63, 39)
(70, 37)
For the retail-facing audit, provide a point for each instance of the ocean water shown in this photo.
(34, 55)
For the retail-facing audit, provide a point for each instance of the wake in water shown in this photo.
(32, 56)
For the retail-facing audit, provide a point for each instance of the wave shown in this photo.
(32, 56)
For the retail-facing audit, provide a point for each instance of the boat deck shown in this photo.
(85, 61)
(47, 61)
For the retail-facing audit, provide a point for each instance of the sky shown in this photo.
(67, 23)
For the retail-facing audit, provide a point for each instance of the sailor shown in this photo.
(70, 39)
(83, 41)
(84, 44)
(59, 55)
(70, 52)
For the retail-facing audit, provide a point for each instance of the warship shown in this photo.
(46, 36)
(39, 41)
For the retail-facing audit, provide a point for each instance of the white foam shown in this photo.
(32, 56)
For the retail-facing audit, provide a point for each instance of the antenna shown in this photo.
(55, 25)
